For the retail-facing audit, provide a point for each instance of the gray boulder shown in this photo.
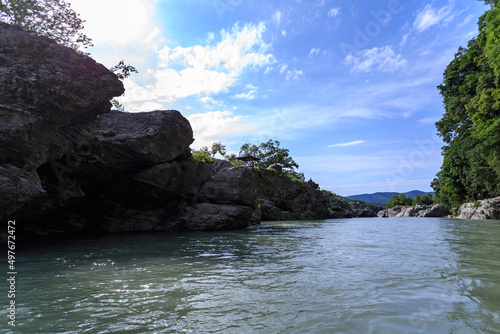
(45, 90)
(484, 209)
(437, 210)
(419, 210)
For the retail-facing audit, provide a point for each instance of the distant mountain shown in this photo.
(383, 197)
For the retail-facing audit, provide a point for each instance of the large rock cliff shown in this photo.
(485, 209)
(281, 198)
(69, 165)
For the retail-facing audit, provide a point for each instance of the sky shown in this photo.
(348, 87)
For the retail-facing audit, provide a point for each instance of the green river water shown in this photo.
(369, 275)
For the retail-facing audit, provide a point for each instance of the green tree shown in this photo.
(207, 155)
(417, 199)
(218, 148)
(270, 153)
(203, 155)
(470, 126)
(427, 199)
(123, 71)
(398, 200)
(50, 18)
(232, 158)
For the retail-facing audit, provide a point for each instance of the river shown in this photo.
(361, 275)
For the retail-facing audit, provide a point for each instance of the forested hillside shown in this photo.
(470, 126)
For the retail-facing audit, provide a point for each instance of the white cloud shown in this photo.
(382, 59)
(466, 20)
(277, 17)
(209, 127)
(352, 143)
(295, 74)
(204, 69)
(208, 99)
(430, 16)
(314, 51)
(283, 68)
(334, 12)
(135, 24)
(146, 106)
(246, 96)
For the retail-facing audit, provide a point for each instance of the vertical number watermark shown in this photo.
(11, 272)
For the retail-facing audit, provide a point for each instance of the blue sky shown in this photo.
(349, 87)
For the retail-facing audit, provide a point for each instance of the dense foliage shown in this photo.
(270, 153)
(206, 155)
(470, 126)
(50, 18)
(402, 200)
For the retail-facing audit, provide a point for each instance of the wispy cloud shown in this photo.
(246, 96)
(383, 59)
(210, 126)
(203, 69)
(283, 68)
(430, 16)
(466, 20)
(352, 143)
(277, 17)
(314, 51)
(207, 99)
(335, 14)
(294, 74)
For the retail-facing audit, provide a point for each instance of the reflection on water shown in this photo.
(407, 275)
(477, 276)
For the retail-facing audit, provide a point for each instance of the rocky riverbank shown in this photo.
(70, 166)
(484, 209)
(419, 210)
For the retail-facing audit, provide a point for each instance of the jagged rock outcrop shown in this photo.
(484, 209)
(69, 165)
(338, 208)
(361, 210)
(47, 92)
(281, 198)
(419, 210)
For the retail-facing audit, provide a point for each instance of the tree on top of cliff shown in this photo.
(50, 18)
(270, 153)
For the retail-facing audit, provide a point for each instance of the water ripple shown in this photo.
(346, 276)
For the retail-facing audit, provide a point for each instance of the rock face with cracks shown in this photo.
(485, 209)
(71, 166)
